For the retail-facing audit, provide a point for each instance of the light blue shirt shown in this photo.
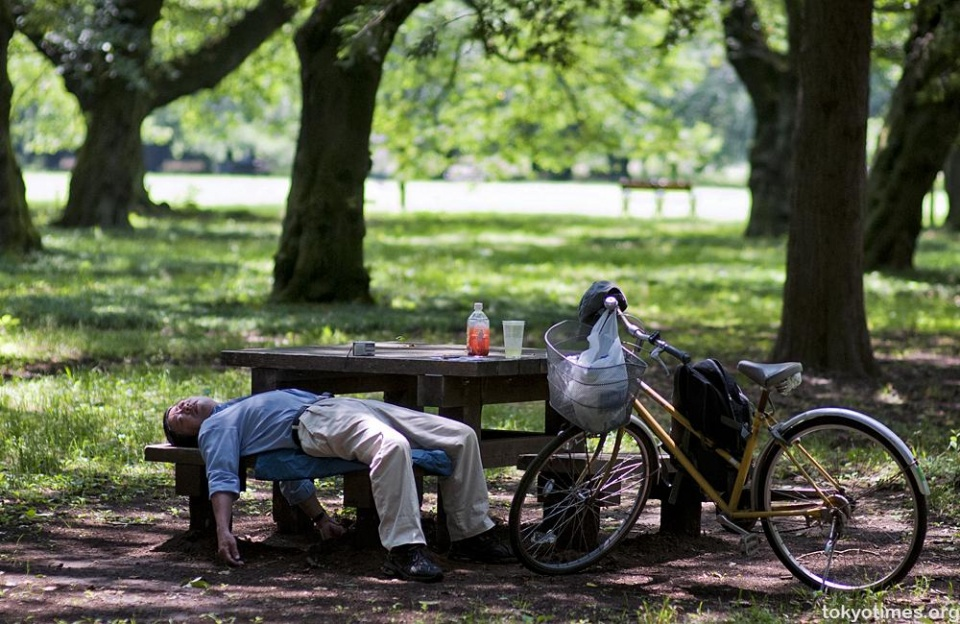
(247, 426)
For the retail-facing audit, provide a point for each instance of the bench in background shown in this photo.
(660, 187)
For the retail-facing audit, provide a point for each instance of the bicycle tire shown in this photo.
(568, 512)
(878, 513)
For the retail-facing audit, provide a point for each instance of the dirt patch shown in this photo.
(135, 562)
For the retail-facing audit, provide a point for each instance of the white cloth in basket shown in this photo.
(598, 385)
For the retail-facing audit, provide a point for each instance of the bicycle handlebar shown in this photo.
(610, 303)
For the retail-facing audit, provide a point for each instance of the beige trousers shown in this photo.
(381, 435)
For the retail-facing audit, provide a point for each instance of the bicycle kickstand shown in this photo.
(749, 542)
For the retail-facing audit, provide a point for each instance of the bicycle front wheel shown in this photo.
(579, 497)
(866, 508)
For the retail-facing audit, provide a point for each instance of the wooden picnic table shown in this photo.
(418, 376)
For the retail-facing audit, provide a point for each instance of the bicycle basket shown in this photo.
(596, 399)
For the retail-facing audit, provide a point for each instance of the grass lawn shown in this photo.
(101, 331)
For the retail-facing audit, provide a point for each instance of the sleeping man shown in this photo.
(378, 434)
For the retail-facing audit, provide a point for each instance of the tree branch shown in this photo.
(747, 50)
(207, 66)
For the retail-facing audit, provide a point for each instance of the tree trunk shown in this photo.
(771, 81)
(951, 180)
(17, 234)
(320, 257)
(921, 127)
(103, 183)
(823, 322)
(117, 86)
(143, 204)
(109, 167)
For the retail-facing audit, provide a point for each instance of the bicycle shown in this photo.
(841, 499)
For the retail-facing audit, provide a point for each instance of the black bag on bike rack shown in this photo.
(715, 405)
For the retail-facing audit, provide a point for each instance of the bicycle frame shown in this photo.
(728, 507)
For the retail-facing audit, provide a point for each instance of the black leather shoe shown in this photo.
(411, 563)
(482, 548)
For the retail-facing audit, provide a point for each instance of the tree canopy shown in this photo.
(610, 91)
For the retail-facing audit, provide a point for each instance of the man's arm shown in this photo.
(223, 512)
(220, 449)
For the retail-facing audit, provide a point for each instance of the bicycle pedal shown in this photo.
(749, 544)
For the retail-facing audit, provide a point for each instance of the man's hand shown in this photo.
(222, 503)
(227, 548)
(329, 528)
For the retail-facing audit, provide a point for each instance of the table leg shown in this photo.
(404, 398)
(263, 380)
(467, 414)
(201, 516)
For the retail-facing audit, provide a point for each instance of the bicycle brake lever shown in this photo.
(655, 354)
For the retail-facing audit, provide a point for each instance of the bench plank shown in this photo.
(182, 455)
(655, 185)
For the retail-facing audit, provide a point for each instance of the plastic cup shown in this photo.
(512, 338)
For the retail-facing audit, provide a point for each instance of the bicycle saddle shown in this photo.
(769, 375)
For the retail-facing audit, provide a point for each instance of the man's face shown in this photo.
(186, 415)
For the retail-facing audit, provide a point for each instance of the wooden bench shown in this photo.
(190, 479)
(660, 187)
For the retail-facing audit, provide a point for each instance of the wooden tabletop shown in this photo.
(391, 358)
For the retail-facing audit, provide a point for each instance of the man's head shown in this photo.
(182, 420)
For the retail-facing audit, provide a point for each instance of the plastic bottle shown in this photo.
(478, 332)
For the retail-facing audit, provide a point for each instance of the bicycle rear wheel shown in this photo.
(579, 497)
(870, 531)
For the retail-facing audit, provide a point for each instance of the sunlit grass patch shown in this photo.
(97, 418)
